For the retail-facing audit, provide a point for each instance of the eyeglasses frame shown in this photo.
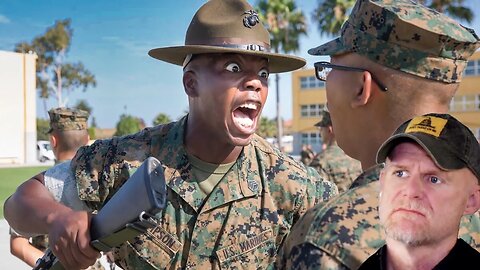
(324, 64)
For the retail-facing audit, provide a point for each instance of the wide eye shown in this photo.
(264, 73)
(233, 67)
(434, 179)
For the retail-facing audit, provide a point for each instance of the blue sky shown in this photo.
(112, 39)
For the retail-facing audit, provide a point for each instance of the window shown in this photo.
(304, 111)
(311, 110)
(473, 68)
(311, 138)
(309, 83)
(465, 103)
(303, 82)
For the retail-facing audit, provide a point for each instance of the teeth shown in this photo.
(244, 121)
(251, 106)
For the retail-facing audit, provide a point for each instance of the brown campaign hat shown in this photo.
(406, 36)
(67, 119)
(449, 143)
(227, 26)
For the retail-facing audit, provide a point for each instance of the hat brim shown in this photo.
(333, 47)
(277, 62)
(443, 156)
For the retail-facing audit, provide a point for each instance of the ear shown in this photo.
(330, 129)
(473, 201)
(382, 177)
(190, 83)
(364, 94)
(53, 141)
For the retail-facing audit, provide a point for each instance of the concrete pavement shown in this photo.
(7, 260)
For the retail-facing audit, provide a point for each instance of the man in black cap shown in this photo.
(232, 198)
(430, 180)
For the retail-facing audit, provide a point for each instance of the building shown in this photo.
(465, 106)
(17, 108)
(309, 97)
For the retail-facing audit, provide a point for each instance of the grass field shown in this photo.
(10, 178)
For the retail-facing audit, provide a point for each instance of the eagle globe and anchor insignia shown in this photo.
(251, 19)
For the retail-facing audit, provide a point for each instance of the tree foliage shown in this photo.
(128, 125)
(161, 118)
(331, 14)
(43, 126)
(286, 25)
(83, 105)
(55, 76)
(267, 127)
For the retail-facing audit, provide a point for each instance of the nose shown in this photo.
(414, 187)
(253, 83)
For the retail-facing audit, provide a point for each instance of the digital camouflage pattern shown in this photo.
(344, 232)
(40, 242)
(240, 225)
(406, 36)
(67, 119)
(335, 166)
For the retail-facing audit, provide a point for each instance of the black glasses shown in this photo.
(323, 68)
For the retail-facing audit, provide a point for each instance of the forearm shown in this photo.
(22, 249)
(31, 209)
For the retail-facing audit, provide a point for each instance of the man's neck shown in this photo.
(402, 256)
(202, 145)
(63, 156)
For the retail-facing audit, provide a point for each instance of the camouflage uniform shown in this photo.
(332, 163)
(402, 35)
(67, 119)
(335, 166)
(61, 119)
(240, 225)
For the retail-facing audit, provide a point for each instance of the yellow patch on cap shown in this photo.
(426, 124)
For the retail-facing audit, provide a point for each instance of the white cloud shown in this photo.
(4, 19)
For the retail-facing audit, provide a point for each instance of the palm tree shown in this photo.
(453, 8)
(267, 127)
(331, 14)
(286, 24)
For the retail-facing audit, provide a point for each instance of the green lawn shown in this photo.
(10, 178)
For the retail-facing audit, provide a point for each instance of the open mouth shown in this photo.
(245, 116)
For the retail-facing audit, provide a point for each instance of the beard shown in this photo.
(409, 228)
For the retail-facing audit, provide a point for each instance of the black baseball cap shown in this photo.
(449, 143)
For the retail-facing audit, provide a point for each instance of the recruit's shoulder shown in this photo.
(341, 227)
(281, 169)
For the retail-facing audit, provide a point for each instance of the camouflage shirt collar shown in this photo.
(371, 174)
(235, 185)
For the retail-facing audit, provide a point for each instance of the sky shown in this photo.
(112, 38)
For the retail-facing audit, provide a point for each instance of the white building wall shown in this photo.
(17, 108)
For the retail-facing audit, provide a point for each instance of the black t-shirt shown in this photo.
(462, 256)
